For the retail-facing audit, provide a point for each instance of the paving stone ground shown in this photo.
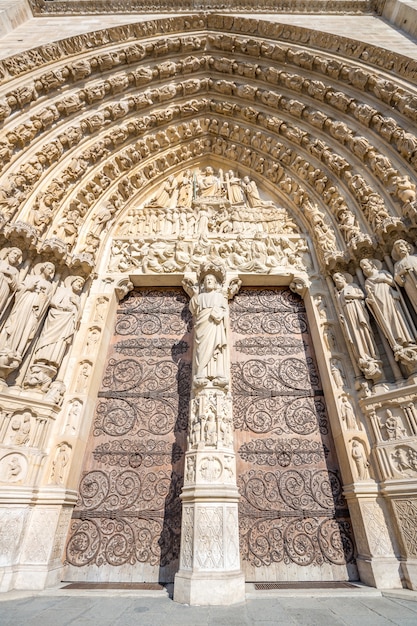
(114, 608)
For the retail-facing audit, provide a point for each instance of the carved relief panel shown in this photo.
(292, 511)
(128, 513)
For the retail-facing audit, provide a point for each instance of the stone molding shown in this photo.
(88, 7)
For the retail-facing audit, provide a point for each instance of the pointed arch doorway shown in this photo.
(294, 523)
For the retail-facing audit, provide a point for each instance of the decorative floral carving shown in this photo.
(285, 452)
(406, 513)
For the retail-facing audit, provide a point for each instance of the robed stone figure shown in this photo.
(405, 269)
(31, 302)
(356, 325)
(386, 304)
(209, 308)
(60, 324)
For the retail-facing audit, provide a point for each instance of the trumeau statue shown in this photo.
(387, 306)
(209, 308)
(356, 325)
(405, 269)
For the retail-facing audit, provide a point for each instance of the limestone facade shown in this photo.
(161, 151)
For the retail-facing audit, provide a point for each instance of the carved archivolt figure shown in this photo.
(386, 305)
(356, 325)
(32, 300)
(9, 275)
(61, 322)
(209, 308)
(405, 269)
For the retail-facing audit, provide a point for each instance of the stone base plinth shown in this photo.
(382, 573)
(409, 569)
(209, 588)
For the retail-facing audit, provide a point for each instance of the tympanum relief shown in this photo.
(206, 214)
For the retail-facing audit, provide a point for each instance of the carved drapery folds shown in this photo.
(38, 318)
(390, 312)
(356, 325)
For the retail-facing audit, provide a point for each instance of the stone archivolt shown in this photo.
(105, 146)
(81, 207)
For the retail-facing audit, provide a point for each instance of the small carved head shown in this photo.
(401, 249)
(215, 271)
(14, 256)
(341, 279)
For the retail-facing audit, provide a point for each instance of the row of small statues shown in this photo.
(261, 254)
(207, 185)
(192, 222)
(37, 307)
(175, 213)
(388, 307)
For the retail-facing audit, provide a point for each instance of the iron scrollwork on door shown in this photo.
(292, 509)
(129, 509)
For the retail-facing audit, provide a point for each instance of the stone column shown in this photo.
(209, 561)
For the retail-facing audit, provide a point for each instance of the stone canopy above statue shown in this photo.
(203, 213)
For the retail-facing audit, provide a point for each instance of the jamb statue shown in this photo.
(405, 269)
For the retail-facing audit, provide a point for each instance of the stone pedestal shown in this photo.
(216, 588)
(210, 562)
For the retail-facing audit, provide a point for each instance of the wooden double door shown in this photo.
(294, 522)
